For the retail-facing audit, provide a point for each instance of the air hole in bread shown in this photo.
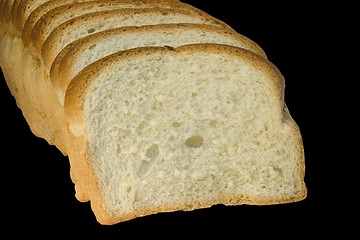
(151, 154)
(91, 30)
(194, 141)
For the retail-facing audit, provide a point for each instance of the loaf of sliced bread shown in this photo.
(161, 129)
(159, 106)
(86, 24)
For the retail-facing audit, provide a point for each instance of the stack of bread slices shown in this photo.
(159, 106)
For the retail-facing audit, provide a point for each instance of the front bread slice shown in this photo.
(159, 129)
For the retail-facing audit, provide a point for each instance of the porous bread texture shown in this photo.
(55, 17)
(90, 23)
(163, 129)
(85, 51)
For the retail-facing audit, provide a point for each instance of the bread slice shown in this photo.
(55, 17)
(85, 51)
(12, 7)
(31, 11)
(29, 15)
(91, 23)
(159, 129)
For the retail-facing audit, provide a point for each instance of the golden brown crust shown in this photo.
(61, 70)
(74, 101)
(24, 20)
(50, 47)
(48, 21)
(30, 86)
(25, 23)
(81, 169)
(20, 14)
(11, 15)
(6, 15)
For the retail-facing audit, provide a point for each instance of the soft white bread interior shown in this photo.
(161, 129)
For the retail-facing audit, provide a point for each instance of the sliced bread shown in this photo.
(20, 9)
(95, 22)
(30, 17)
(85, 51)
(106, 19)
(55, 17)
(159, 129)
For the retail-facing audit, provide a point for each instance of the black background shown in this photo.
(37, 192)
